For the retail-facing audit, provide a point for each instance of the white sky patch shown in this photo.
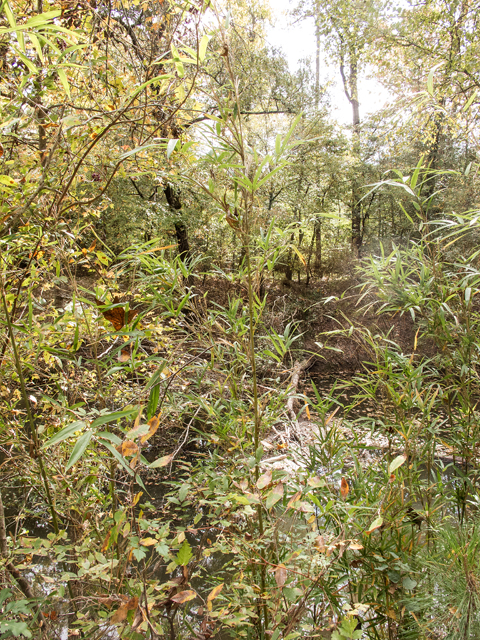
(298, 42)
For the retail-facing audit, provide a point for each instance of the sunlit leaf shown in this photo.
(396, 463)
(148, 542)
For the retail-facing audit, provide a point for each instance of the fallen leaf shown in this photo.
(355, 546)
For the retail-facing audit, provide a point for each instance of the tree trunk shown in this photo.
(174, 202)
(350, 86)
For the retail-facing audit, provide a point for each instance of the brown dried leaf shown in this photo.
(320, 544)
(121, 613)
(153, 424)
(344, 488)
(265, 479)
(106, 542)
(280, 575)
(294, 499)
(134, 460)
(128, 448)
(184, 596)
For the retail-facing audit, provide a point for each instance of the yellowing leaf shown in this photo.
(184, 596)
(148, 542)
(8, 181)
(375, 524)
(161, 462)
(265, 479)
(214, 592)
(344, 488)
(320, 544)
(294, 499)
(137, 498)
(275, 495)
(316, 482)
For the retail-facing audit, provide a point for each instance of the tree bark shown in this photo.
(350, 86)
(173, 199)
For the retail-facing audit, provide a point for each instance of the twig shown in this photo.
(184, 439)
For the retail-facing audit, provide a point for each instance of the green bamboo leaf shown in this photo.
(470, 100)
(111, 417)
(42, 19)
(153, 401)
(133, 152)
(79, 449)
(36, 44)
(122, 462)
(63, 434)
(63, 79)
(430, 82)
(202, 49)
